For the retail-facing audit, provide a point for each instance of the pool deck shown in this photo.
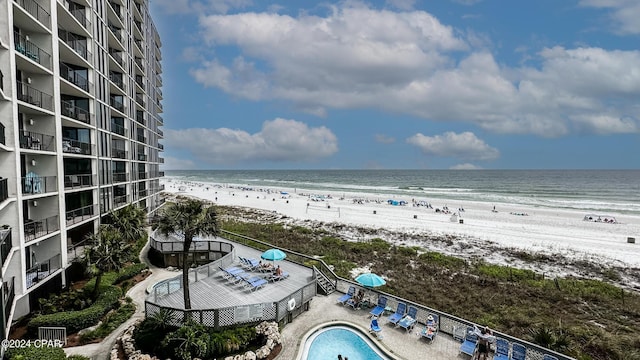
(397, 341)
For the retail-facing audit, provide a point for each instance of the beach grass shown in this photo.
(584, 317)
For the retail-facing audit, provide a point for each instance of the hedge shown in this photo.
(82, 319)
(36, 353)
(129, 272)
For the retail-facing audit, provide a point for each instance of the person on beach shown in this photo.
(278, 271)
(484, 338)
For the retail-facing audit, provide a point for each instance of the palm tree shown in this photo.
(130, 221)
(107, 251)
(190, 218)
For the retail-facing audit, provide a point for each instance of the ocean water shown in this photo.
(598, 191)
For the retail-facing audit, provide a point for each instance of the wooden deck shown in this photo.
(215, 292)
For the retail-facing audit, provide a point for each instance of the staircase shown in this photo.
(325, 285)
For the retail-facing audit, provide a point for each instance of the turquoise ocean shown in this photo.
(597, 191)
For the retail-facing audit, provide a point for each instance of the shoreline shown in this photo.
(482, 233)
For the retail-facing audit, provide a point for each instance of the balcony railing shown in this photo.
(76, 42)
(72, 146)
(161, 174)
(160, 146)
(79, 14)
(118, 153)
(9, 292)
(119, 177)
(118, 129)
(117, 104)
(141, 138)
(117, 9)
(161, 160)
(138, 25)
(140, 82)
(5, 245)
(140, 45)
(42, 270)
(78, 181)
(139, 63)
(142, 193)
(160, 132)
(34, 96)
(140, 99)
(36, 184)
(120, 200)
(31, 50)
(140, 117)
(117, 56)
(81, 214)
(117, 79)
(36, 141)
(4, 189)
(34, 229)
(142, 175)
(74, 77)
(117, 32)
(75, 112)
(36, 10)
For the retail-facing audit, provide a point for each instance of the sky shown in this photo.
(400, 84)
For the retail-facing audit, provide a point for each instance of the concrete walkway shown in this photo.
(102, 350)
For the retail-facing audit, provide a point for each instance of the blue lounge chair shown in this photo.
(399, 314)
(375, 327)
(250, 264)
(502, 350)
(344, 298)
(255, 283)
(470, 341)
(549, 357)
(379, 309)
(273, 277)
(240, 277)
(518, 352)
(229, 272)
(409, 320)
(430, 330)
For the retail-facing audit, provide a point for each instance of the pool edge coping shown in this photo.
(381, 345)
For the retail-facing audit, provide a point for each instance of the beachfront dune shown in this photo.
(476, 229)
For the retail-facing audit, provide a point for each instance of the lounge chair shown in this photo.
(356, 301)
(274, 277)
(549, 357)
(375, 327)
(470, 341)
(502, 350)
(228, 273)
(518, 352)
(344, 298)
(250, 264)
(240, 277)
(399, 314)
(379, 309)
(255, 283)
(410, 319)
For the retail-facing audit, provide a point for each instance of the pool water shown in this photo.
(327, 343)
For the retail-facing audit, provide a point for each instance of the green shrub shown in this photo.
(36, 353)
(129, 272)
(78, 320)
(66, 301)
(439, 259)
(110, 323)
(189, 341)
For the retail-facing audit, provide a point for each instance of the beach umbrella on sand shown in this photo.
(370, 280)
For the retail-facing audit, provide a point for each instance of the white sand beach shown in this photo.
(481, 232)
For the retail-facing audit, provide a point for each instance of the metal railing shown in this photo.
(116, 9)
(119, 177)
(118, 153)
(81, 214)
(117, 104)
(141, 138)
(76, 250)
(120, 200)
(142, 193)
(140, 99)
(118, 129)
(34, 229)
(52, 335)
(36, 141)
(139, 62)
(3, 140)
(8, 294)
(77, 181)
(117, 32)
(160, 146)
(74, 77)
(31, 50)
(36, 10)
(4, 189)
(76, 42)
(117, 56)
(35, 184)
(68, 109)
(142, 175)
(71, 146)
(5, 245)
(142, 157)
(117, 79)
(34, 96)
(42, 270)
(80, 15)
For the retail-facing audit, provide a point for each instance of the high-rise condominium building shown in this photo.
(80, 105)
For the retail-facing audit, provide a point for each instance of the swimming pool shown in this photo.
(327, 343)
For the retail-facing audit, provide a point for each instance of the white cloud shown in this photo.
(624, 13)
(465, 166)
(384, 139)
(173, 163)
(279, 140)
(462, 146)
(410, 63)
